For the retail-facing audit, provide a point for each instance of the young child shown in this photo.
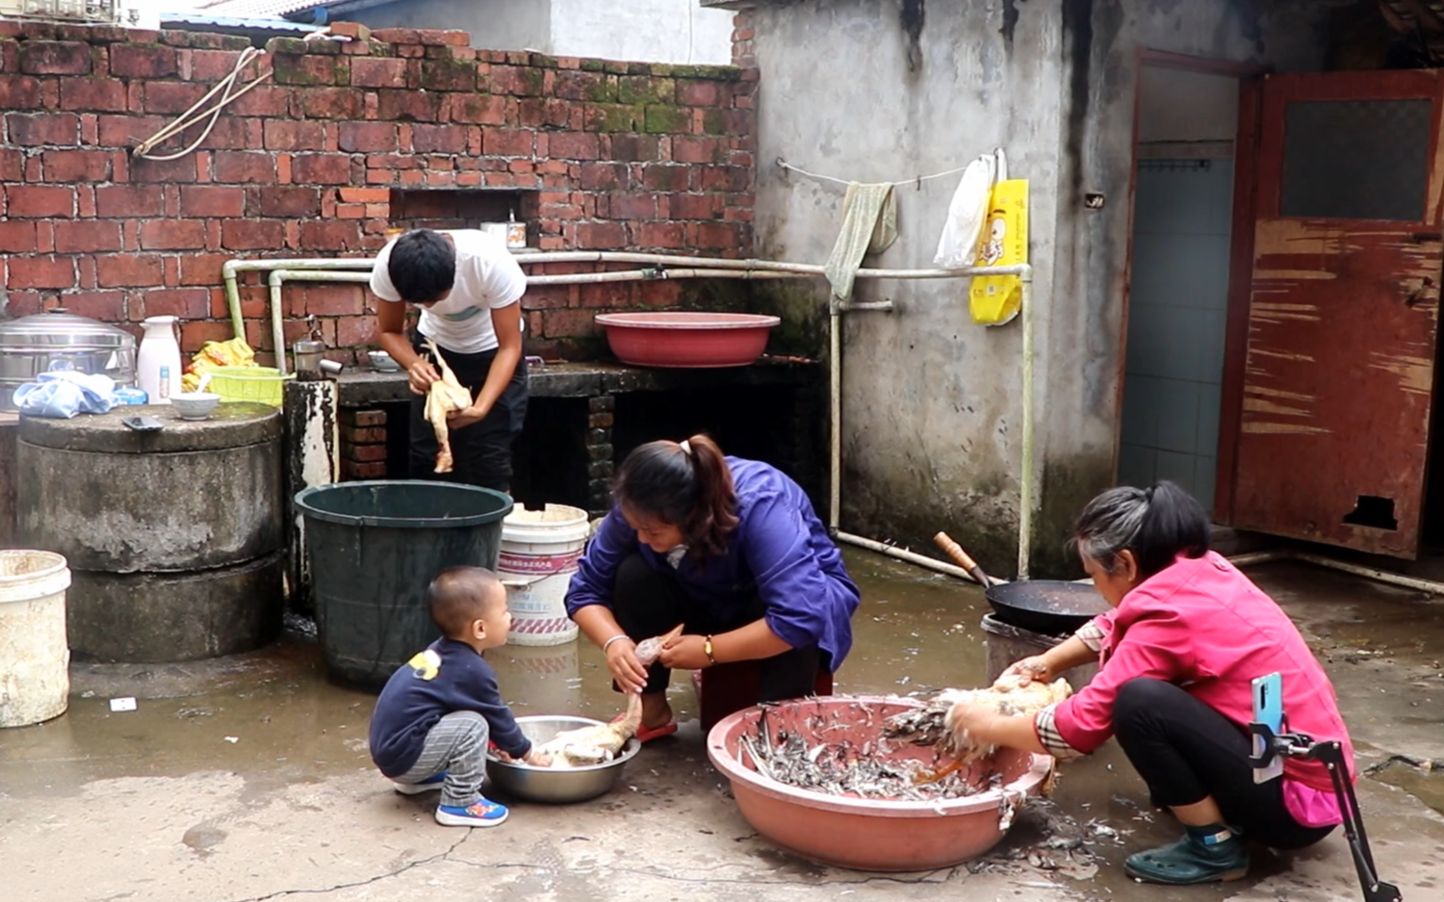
(436, 713)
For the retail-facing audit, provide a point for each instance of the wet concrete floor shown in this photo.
(247, 778)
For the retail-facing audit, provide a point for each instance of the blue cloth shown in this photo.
(448, 676)
(64, 393)
(780, 553)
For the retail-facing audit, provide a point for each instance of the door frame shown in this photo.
(1245, 154)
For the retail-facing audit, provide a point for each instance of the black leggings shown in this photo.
(1186, 751)
(647, 603)
(481, 452)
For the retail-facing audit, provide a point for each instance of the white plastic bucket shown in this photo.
(539, 554)
(34, 656)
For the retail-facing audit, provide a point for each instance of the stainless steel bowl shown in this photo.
(545, 784)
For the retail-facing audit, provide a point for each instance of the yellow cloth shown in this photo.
(869, 226)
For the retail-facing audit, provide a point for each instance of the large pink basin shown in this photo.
(680, 339)
(868, 834)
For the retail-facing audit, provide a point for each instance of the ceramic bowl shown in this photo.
(382, 362)
(196, 405)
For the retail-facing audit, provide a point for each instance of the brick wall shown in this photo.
(612, 155)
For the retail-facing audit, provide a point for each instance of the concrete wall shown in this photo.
(932, 412)
(654, 31)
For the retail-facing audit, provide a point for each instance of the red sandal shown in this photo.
(646, 734)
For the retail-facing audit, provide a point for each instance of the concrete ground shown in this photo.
(247, 778)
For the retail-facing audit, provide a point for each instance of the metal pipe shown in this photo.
(903, 554)
(1026, 486)
(860, 306)
(834, 412)
(277, 279)
(1429, 586)
(656, 275)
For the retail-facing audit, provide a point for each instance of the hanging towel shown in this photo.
(869, 226)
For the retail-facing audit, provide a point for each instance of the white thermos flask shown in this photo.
(158, 364)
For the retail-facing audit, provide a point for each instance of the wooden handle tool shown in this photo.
(962, 559)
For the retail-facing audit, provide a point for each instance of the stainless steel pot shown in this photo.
(58, 340)
(563, 784)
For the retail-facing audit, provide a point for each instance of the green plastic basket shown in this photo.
(261, 384)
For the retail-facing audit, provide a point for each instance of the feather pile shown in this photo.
(931, 724)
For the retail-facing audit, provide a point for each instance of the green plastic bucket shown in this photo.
(373, 548)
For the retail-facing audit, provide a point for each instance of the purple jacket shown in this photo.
(780, 553)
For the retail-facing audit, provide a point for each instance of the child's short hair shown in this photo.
(458, 596)
(422, 266)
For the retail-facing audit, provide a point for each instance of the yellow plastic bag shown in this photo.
(995, 300)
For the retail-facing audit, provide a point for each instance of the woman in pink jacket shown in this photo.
(1187, 635)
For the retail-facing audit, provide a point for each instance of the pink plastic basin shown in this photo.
(694, 340)
(868, 834)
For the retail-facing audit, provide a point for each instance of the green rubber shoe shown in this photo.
(1189, 861)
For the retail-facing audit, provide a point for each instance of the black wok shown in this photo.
(1046, 606)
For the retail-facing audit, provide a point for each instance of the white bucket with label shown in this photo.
(539, 554)
(34, 656)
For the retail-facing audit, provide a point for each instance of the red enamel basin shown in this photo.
(687, 339)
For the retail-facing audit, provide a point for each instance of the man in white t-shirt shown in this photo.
(468, 287)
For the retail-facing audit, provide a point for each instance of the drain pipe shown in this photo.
(277, 279)
(1403, 581)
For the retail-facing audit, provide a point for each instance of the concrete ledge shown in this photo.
(583, 380)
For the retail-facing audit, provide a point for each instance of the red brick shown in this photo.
(250, 234)
(86, 237)
(696, 150)
(201, 269)
(243, 166)
(194, 334)
(12, 165)
(448, 75)
(601, 235)
(694, 206)
(128, 270)
(106, 306)
(18, 92)
(173, 235)
(142, 61)
(364, 417)
(378, 72)
(666, 176)
(635, 148)
(397, 35)
(334, 300)
(517, 81)
(603, 175)
(208, 201)
(186, 303)
(631, 206)
(307, 69)
(166, 171)
(283, 135)
(40, 272)
(583, 86)
(691, 92)
(281, 201)
(659, 234)
(104, 94)
(483, 109)
(726, 178)
(446, 37)
(573, 146)
(716, 235)
(34, 201)
(330, 103)
(366, 137)
(76, 165)
(508, 142)
(353, 30)
(55, 58)
(36, 129)
(322, 169)
(569, 323)
(17, 237)
(126, 201)
(262, 101)
(408, 106)
(127, 131)
(366, 195)
(172, 96)
(438, 138)
(211, 66)
(322, 235)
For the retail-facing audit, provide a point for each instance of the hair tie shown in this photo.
(686, 447)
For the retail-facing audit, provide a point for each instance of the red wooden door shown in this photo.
(1338, 367)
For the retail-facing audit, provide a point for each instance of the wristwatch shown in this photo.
(707, 650)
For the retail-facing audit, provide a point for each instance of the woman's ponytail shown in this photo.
(687, 484)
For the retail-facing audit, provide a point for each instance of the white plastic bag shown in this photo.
(958, 245)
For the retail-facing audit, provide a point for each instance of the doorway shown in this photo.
(1179, 281)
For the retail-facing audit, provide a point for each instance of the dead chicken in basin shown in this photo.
(596, 744)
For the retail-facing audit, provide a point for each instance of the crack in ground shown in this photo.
(440, 856)
(929, 877)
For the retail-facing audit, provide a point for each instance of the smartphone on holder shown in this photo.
(1268, 709)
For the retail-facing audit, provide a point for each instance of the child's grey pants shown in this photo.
(456, 746)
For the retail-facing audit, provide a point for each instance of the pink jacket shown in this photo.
(1202, 625)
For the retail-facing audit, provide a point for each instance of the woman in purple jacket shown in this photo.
(730, 548)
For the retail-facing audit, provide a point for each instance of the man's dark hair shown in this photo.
(422, 266)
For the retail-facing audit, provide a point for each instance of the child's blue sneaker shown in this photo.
(481, 813)
(427, 785)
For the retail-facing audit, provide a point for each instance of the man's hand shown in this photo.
(460, 419)
(420, 375)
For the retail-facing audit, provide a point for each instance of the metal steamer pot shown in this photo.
(58, 340)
